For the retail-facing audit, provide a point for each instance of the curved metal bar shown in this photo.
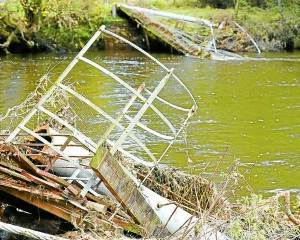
(141, 112)
(112, 75)
(153, 59)
(149, 164)
(190, 114)
(149, 129)
(131, 156)
(108, 117)
(168, 103)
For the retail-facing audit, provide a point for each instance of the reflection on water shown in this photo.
(251, 107)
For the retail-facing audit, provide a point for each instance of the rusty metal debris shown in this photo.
(58, 161)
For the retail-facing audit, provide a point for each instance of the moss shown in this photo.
(276, 17)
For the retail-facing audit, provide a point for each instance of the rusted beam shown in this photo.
(14, 174)
(43, 199)
(19, 157)
(40, 181)
(25, 163)
(70, 210)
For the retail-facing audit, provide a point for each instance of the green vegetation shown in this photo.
(49, 24)
(273, 23)
(28, 25)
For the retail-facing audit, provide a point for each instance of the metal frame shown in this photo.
(134, 121)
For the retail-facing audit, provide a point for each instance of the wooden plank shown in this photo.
(120, 184)
(70, 210)
(55, 203)
(40, 181)
(13, 174)
(21, 159)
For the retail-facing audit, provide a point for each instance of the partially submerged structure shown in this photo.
(69, 157)
(189, 35)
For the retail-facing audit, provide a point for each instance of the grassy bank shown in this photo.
(275, 29)
(49, 25)
(67, 25)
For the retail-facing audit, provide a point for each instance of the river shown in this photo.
(249, 110)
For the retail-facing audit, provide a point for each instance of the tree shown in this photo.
(216, 3)
(32, 9)
(236, 7)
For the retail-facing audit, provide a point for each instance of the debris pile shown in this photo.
(21, 179)
(60, 164)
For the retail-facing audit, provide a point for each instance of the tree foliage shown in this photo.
(250, 3)
(47, 24)
(68, 24)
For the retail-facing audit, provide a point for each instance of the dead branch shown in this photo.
(287, 206)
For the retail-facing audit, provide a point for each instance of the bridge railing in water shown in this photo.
(59, 134)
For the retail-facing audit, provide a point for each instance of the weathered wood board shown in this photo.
(120, 184)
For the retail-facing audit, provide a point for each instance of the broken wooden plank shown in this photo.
(40, 181)
(43, 199)
(13, 174)
(111, 172)
(73, 211)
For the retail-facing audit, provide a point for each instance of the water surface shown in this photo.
(251, 108)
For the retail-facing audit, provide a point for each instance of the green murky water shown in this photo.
(251, 108)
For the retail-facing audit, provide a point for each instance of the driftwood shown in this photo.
(22, 179)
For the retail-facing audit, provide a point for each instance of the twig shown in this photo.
(287, 206)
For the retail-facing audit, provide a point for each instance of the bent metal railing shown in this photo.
(126, 131)
(63, 143)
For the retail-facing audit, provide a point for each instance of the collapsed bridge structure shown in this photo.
(67, 156)
(187, 35)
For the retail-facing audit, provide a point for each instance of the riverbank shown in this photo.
(67, 26)
(249, 218)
